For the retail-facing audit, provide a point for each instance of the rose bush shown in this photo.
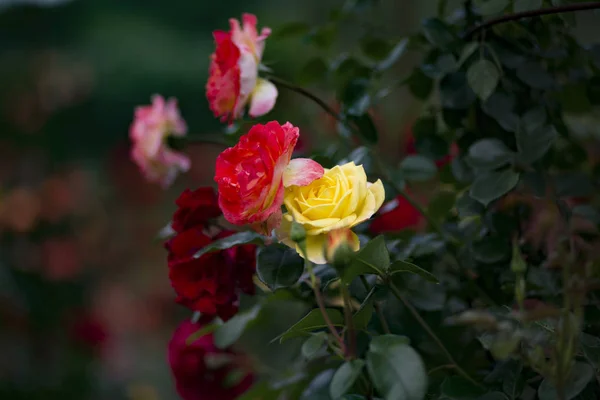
(491, 162)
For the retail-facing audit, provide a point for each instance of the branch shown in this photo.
(532, 13)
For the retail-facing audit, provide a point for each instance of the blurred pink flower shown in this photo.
(151, 127)
(233, 74)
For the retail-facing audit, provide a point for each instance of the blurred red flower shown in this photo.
(195, 208)
(203, 372)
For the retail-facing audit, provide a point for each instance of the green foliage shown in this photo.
(279, 266)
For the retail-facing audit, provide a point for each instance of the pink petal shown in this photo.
(301, 172)
(263, 98)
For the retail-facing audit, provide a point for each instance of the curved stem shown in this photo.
(431, 334)
(314, 283)
(532, 13)
(300, 90)
(350, 332)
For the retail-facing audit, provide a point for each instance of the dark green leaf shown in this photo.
(420, 85)
(514, 383)
(375, 48)
(492, 185)
(360, 156)
(323, 36)
(493, 396)
(279, 266)
(313, 344)
(581, 375)
(441, 205)
(467, 52)
(386, 341)
(396, 370)
(228, 333)
(574, 98)
(534, 119)
(458, 388)
(483, 78)
(291, 29)
(374, 258)
(490, 7)
(489, 154)
(573, 184)
(344, 378)
(491, 249)
(230, 241)
(533, 145)
(418, 168)
(314, 70)
(404, 266)
(443, 65)
(455, 91)
(468, 207)
(438, 33)
(355, 97)
(311, 322)
(500, 106)
(526, 5)
(366, 126)
(532, 74)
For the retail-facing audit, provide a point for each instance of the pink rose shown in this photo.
(233, 80)
(151, 127)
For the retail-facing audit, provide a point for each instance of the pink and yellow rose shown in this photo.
(151, 127)
(233, 80)
(252, 175)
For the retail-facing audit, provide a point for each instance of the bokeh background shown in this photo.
(86, 309)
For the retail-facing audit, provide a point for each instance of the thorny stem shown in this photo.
(378, 311)
(431, 334)
(532, 13)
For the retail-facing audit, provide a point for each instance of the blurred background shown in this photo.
(86, 309)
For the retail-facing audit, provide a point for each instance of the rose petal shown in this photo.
(301, 172)
(263, 98)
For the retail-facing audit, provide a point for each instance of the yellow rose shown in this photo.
(342, 198)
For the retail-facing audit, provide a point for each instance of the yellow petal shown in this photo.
(340, 223)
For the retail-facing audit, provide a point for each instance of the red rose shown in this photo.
(209, 284)
(195, 208)
(251, 175)
(395, 216)
(196, 377)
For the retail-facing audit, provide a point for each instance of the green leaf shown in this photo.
(394, 55)
(467, 52)
(419, 84)
(532, 74)
(323, 36)
(438, 33)
(228, 333)
(514, 383)
(443, 65)
(311, 322)
(314, 70)
(313, 345)
(279, 266)
(483, 78)
(533, 145)
(492, 185)
(205, 330)
(489, 154)
(362, 317)
(374, 258)
(291, 29)
(344, 378)
(526, 5)
(418, 168)
(396, 369)
(500, 106)
(386, 341)
(491, 7)
(581, 375)
(375, 48)
(458, 388)
(404, 266)
(230, 241)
